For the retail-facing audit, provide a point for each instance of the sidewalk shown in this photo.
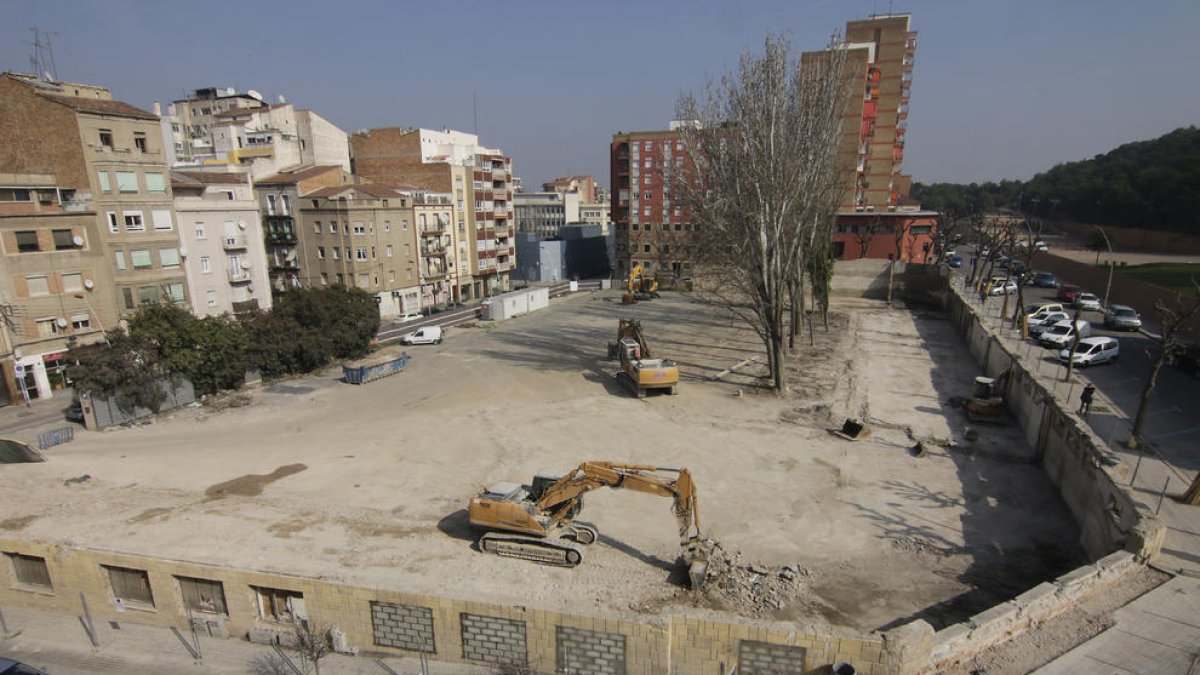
(59, 645)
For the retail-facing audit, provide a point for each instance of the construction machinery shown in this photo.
(638, 286)
(986, 404)
(538, 520)
(640, 372)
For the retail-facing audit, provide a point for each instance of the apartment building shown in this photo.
(543, 213)
(277, 197)
(880, 54)
(190, 121)
(369, 236)
(597, 213)
(584, 186)
(648, 228)
(479, 181)
(223, 247)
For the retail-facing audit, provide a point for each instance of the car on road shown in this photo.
(1040, 310)
(405, 318)
(1087, 301)
(1045, 280)
(429, 335)
(1002, 287)
(1067, 292)
(1093, 351)
(1063, 333)
(1016, 266)
(955, 261)
(1122, 317)
(1041, 247)
(1039, 326)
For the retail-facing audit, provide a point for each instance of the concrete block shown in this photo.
(950, 640)
(1116, 564)
(1038, 601)
(1077, 578)
(994, 622)
(260, 636)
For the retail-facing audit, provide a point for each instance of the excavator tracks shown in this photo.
(556, 552)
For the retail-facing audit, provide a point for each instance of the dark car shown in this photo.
(1188, 360)
(74, 412)
(1067, 292)
(10, 667)
(955, 261)
(1045, 280)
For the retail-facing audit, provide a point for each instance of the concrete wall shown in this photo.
(861, 278)
(391, 622)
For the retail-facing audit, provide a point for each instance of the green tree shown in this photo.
(339, 321)
(127, 369)
(211, 352)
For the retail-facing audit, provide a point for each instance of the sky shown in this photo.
(1001, 89)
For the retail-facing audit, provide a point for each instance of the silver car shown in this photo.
(1087, 301)
(1044, 322)
(1122, 317)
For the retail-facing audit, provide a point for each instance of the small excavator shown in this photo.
(640, 372)
(539, 519)
(638, 286)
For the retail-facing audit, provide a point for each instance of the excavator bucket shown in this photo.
(697, 573)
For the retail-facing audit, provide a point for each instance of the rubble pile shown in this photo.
(751, 588)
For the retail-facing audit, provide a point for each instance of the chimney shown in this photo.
(157, 109)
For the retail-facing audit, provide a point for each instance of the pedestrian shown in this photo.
(1085, 400)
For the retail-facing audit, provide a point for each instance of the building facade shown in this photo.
(479, 181)
(278, 197)
(584, 186)
(543, 213)
(223, 247)
(649, 229)
(189, 122)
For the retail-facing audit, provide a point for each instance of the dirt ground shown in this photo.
(368, 484)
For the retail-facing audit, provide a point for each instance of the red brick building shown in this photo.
(648, 228)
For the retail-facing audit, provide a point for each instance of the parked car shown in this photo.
(1122, 317)
(1087, 301)
(1002, 287)
(10, 667)
(955, 261)
(1188, 360)
(1016, 266)
(1067, 292)
(1063, 333)
(429, 335)
(1042, 324)
(1041, 309)
(74, 412)
(1045, 280)
(1041, 247)
(405, 318)
(1093, 351)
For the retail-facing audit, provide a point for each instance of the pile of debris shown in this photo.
(750, 588)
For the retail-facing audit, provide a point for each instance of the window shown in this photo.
(127, 181)
(345, 228)
(175, 293)
(81, 321)
(120, 256)
(105, 186)
(30, 570)
(270, 205)
(391, 276)
(275, 604)
(47, 327)
(324, 279)
(140, 259)
(27, 241)
(200, 234)
(205, 264)
(316, 227)
(139, 141)
(162, 220)
(106, 138)
(169, 257)
(285, 202)
(388, 249)
(147, 295)
(131, 586)
(336, 253)
(133, 221)
(387, 226)
(37, 285)
(333, 227)
(421, 220)
(372, 253)
(212, 298)
(15, 195)
(646, 179)
(646, 248)
(920, 229)
(72, 282)
(320, 253)
(404, 224)
(127, 294)
(112, 222)
(64, 240)
(646, 211)
(359, 228)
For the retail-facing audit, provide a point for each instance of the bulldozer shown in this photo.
(537, 522)
(638, 286)
(640, 372)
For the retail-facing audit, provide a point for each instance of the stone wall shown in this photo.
(385, 622)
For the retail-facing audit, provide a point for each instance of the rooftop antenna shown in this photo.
(42, 58)
(475, 112)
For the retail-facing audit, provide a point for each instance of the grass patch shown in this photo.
(1175, 276)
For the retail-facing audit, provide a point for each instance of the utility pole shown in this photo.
(1108, 286)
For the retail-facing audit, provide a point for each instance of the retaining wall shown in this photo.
(390, 622)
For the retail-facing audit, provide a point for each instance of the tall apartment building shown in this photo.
(584, 186)
(240, 130)
(479, 181)
(543, 213)
(222, 242)
(648, 228)
(107, 156)
(875, 205)
(278, 197)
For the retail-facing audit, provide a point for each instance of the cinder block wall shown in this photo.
(385, 622)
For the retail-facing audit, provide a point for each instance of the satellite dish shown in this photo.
(62, 323)
(78, 240)
(245, 264)
(89, 284)
(241, 224)
(254, 95)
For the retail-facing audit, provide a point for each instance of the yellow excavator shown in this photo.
(640, 372)
(538, 520)
(638, 286)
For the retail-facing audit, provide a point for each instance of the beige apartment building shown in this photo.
(277, 197)
(222, 240)
(189, 122)
(584, 186)
(479, 181)
(543, 214)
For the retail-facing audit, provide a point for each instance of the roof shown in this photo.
(370, 189)
(292, 177)
(207, 178)
(101, 107)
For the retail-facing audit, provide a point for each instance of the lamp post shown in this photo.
(99, 323)
(1108, 286)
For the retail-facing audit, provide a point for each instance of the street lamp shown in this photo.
(99, 323)
(1108, 244)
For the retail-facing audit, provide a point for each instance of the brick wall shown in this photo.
(403, 626)
(589, 652)
(39, 136)
(492, 639)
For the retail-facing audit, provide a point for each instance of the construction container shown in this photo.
(374, 367)
(515, 303)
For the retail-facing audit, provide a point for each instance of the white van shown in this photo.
(429, 335)
(1062, 334)
(1093, 351)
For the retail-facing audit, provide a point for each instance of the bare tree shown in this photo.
(1026, 249)
(899, 229)
(1173, 326)
(863, 234)
(763, 172)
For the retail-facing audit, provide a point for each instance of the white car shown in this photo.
(1093, 351)
(1039, 312)
(1063, 333)
(1087, 301)
(429, 335)
(1041, 247)
(1002, 287)
(1042, 324)
(405, 318)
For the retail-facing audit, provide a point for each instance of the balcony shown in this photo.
(281, 239)
(433, 272)
(433, 250)
(239, 275)
(432, 228)
(233, 243)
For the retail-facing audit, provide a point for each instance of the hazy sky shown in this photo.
(1001, 89)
